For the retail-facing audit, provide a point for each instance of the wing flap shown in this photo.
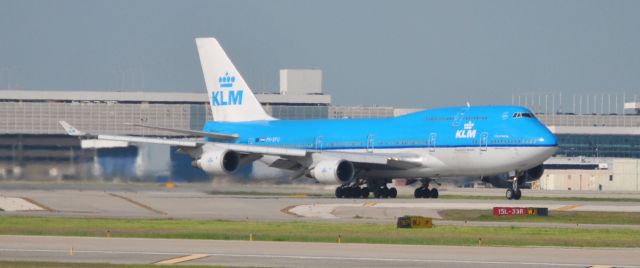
(183, 143)
(276, 151)
(286, 164)
(401, 161)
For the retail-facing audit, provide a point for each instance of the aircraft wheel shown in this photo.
(434, 193)
(354, 192)
(364, 192)
(416, 193)
(509, 194)
(424, 193)
(347, 192)
(339, 192)
(393, 192)
(383, 192)
(376, 193)
(517, 194)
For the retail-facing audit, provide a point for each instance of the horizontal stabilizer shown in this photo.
(71, 130)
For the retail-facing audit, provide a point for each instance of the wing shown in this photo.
(190, 143)
(213, 135)
(289, 158)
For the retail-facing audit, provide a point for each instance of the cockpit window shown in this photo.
(523, 115)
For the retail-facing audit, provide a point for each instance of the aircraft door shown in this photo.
(318, 143)
(432, 142)
(370, 143)
(484, 141)
(458, 119)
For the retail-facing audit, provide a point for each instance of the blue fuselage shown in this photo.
(488, 126)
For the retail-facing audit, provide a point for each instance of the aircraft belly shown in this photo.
(443, 162)
(471, 162)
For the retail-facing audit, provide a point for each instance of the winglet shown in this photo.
(71, 130)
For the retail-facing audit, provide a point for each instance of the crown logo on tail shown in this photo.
(226, 80)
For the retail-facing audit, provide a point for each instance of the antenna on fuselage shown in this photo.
(468, 104)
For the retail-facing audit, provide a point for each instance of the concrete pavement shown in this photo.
(295, 254)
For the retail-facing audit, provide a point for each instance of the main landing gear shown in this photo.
(424, 192)
(357, 190)
(352, 191)
(514, 192)
(385, 192)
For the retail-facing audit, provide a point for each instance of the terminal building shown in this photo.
(34, 146)
(590, 174)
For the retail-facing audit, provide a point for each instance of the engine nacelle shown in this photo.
(219, 161)
(502, 180)
(534, 173)
(332, 171)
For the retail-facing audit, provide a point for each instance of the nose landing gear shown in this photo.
(514, 192)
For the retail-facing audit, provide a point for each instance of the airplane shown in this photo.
(361, 155)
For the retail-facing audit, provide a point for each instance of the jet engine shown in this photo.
(534, 173)
(332, 171)
(502, 180)
(218, 161)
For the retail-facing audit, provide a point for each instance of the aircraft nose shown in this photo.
(547, 138)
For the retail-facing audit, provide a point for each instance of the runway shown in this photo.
(192, 202)
(293, 254)
(196, 204)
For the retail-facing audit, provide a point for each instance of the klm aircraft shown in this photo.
(361, 155)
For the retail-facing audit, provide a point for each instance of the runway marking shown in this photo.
(334, 258)
(369, 204)
(138, 204)
(286, 211)
(182, 259)
(18, 204)
(567, 208)
(600, 266)
(36, 203)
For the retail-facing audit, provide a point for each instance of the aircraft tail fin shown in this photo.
(230, 98)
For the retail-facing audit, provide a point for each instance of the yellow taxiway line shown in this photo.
(182, 259)
(567, 208)
(369, 204)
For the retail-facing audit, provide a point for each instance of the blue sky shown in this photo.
(388, 53)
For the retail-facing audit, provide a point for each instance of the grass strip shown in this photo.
(319, 232)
